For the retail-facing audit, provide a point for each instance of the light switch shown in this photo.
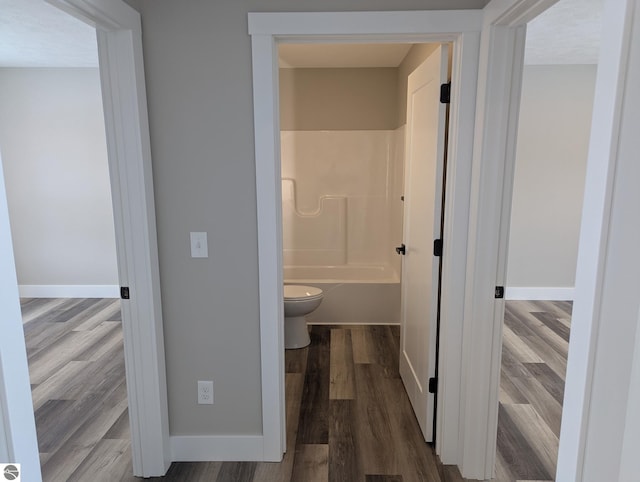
(199, 248)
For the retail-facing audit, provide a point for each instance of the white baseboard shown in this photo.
(536, 293)
(214, 448)
(69, 291)
(351, 323)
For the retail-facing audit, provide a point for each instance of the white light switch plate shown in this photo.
(199, 248)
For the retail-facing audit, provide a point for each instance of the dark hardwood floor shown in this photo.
(348, 416)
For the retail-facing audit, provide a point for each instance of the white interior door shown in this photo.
(425, 134)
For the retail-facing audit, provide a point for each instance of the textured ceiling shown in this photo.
(567, 33)
(36, 34)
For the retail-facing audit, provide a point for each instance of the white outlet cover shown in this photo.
(205, 392)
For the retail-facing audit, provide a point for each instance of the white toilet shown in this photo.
(298, 301)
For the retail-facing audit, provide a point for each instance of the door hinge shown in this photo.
(437, 247)
(499, 292)
(124, 292)
(445, 93)
(433, 385)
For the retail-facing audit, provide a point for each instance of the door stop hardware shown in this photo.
(437, 247)
(433, 385)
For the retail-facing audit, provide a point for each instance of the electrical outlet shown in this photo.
(205, 392)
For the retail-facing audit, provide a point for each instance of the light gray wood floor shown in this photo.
(76, 366)
(348, 417)
(534, 363)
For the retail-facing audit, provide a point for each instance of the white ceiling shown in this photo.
(36, 34)
(342, 55)
(567, 33)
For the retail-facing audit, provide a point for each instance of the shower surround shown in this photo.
(342, 218)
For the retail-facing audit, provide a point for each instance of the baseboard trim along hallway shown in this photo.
(539, 294)
(69, 291)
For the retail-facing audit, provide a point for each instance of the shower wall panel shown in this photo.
(341, 191)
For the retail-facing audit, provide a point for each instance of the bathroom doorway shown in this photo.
(344, 133)
(462, 31)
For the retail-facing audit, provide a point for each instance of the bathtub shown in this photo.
(352, 294)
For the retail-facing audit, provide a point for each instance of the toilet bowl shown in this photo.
(298, 301)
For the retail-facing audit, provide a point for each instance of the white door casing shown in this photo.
(128, 145)
(499, 81)
(129, 155)
(461, 28)
(424, 164)
(600, 384)
(17, 422)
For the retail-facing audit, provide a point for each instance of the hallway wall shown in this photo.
(199, 87)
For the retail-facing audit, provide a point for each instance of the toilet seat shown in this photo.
(301, 293)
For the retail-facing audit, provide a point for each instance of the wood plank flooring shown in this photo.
(346, 421)
(76, 366)
(348, 416)
(534, 362)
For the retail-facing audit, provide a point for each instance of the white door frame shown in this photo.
(498, 103)
(267, 30)
(17, 421)
(125, 108)
(605, 311)
(499, 87)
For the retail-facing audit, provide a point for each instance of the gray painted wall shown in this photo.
(551, 157)
(54, 156)
(199, 86)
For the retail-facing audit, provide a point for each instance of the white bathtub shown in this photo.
(352, 294)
